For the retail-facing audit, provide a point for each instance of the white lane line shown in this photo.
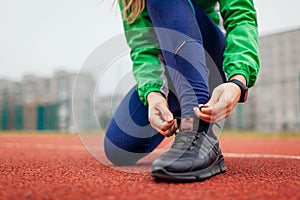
(241, 155)
(237, 155)
(159, 151)
(41, 146)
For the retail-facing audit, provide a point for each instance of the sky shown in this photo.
(41, 36)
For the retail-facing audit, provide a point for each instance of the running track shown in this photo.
(58, 167)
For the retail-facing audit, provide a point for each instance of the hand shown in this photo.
(159, 115)
(223, 100)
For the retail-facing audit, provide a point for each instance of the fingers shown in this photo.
(220, 105)
(215, 95)
(161, 118)
(212, 114)
(160, 125)
(163, 127)
(206, 112)
(166, 113)
(156, 122)
(169, 130)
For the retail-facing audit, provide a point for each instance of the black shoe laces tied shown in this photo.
(186, 140)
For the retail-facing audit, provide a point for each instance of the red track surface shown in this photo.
(58, 167)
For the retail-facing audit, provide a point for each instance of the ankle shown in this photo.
(192, 123)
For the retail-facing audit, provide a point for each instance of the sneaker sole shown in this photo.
(215, 168)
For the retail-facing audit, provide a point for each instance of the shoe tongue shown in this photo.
(192, 124)
(187, 124)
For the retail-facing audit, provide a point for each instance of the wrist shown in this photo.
(240, 78)
(153, 95)
(240, 81)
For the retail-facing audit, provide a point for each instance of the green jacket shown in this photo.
(240, 56)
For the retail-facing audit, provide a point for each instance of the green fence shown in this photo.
(5, 117)
(47, 117)
(19, 117)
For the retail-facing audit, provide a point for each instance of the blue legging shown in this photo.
(129, 135)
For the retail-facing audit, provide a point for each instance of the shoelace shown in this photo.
(185, 140)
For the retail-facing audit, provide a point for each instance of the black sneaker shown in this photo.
(193, 156)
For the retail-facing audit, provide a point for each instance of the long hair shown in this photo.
(132, 9)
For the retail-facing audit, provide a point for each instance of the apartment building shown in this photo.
(274, 102)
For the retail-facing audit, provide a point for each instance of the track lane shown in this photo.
(39, 167)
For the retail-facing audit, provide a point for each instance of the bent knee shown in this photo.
(120, 157)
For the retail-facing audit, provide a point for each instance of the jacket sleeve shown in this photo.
(147, 68)
(241, 53)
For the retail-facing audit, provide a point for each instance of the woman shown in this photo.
(175, 94)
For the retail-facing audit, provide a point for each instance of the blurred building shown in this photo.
(38, 103)
(274, 102)
(10, 98)
(61, 93)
